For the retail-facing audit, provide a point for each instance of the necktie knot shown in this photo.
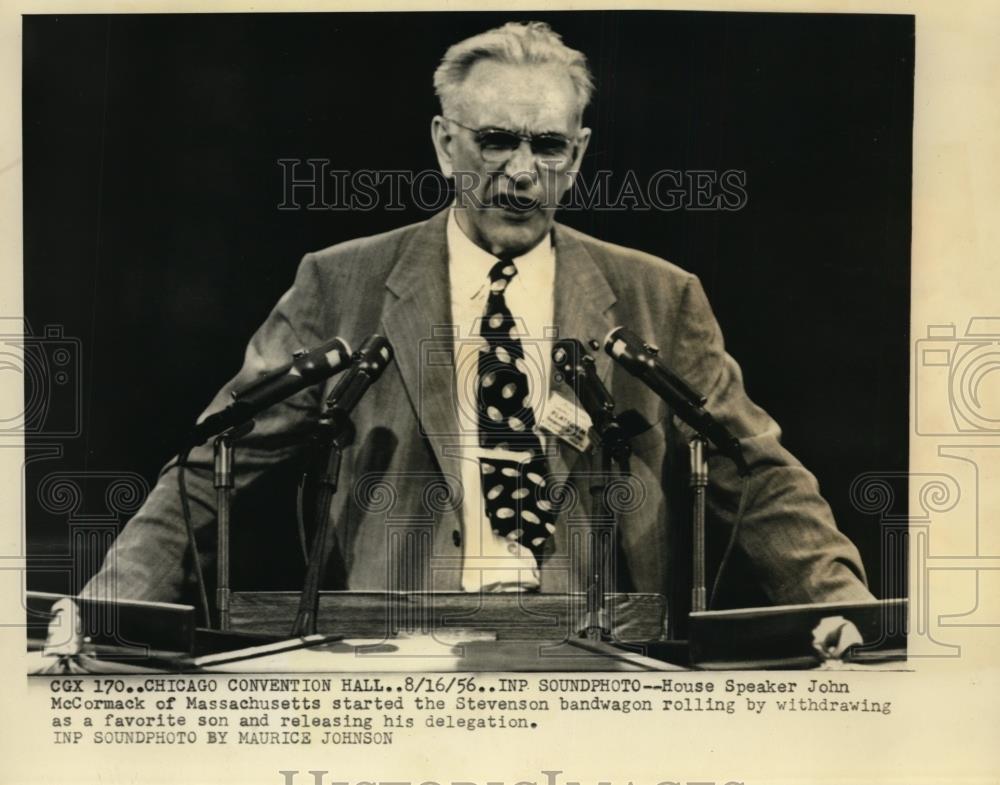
(503, 270)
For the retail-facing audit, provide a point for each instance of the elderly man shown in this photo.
(452, 482)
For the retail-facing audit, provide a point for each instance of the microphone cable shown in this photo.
(181, 464)
(300, 518)
(740, 512)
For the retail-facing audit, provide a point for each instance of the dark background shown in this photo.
(152, 234)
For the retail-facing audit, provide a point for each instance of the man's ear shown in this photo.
(442, 140)
(582, 140)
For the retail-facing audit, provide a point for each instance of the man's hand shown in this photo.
(833, 636)
(65, 635)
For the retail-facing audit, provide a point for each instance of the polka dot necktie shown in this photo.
(515, 491)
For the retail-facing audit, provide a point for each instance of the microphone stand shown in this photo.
(699, 484)
(640, 359)
(614, 448)
(224, 485)
(571, 357)
(335, 432)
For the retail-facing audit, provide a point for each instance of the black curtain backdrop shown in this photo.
(152, 232)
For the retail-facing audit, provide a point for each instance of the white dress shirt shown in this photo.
(490, 562)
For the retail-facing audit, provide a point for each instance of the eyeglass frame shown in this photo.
(573, 143)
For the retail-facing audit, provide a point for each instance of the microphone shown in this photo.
(367, 365)
(306, 369)
(641, 360)
(577, 366)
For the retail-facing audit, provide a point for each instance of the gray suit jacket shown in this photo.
(397, 510)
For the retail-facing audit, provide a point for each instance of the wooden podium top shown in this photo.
(631, 617)
(430, 653)
(444, 632)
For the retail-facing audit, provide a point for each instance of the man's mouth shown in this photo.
(515, 204)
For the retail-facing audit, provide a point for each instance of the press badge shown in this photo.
(567, 421)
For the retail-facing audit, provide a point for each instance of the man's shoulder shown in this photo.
(624, 265)
(376, 251)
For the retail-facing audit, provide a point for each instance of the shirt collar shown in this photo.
(470, 265)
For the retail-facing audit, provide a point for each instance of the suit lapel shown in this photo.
(583, 300)
(417, 324)
(583, 297)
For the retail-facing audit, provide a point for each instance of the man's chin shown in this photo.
(511, 233)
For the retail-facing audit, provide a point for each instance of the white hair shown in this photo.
(516, 43)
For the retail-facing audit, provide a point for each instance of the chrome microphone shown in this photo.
(642, 361)
(573, 360)
(367, 365)
(306, 369)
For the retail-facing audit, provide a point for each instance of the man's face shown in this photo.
(507, 206)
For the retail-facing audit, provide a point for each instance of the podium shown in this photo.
(633, 617)
(435, 632)
(381, 632)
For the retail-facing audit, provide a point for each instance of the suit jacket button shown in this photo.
(456, 538)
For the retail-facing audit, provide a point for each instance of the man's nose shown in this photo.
(520, 168)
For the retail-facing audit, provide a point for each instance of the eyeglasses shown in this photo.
(497, 145)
